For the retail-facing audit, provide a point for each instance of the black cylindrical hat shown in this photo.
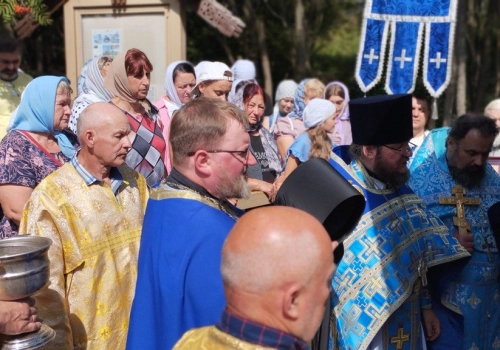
(494, 217)
(381, 120)
(318, 189)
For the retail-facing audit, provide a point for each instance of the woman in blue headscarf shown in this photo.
(36, 145)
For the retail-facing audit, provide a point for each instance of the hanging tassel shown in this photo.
(434, 109)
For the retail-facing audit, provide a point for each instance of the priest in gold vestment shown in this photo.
(92, 208)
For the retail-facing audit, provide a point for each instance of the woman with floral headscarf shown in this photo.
(37, 144)
(263, 174)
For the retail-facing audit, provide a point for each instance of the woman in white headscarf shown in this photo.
(243, 70)
(90, 87)
(180, 79)
(284, 103)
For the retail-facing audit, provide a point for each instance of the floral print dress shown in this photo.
(23, 163)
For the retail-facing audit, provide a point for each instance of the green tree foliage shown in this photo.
(331, 31)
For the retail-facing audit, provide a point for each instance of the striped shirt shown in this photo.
(89, 179)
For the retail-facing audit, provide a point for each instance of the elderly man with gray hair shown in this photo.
(92, 208)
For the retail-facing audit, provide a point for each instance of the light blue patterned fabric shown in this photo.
(376, 286)
(299, 104)
(36, 110)
(475, 290)
(412, 24)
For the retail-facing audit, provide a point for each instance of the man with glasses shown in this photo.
(380, 294)
(187, 219)
(452, 176)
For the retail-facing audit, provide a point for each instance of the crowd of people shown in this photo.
(150, 250)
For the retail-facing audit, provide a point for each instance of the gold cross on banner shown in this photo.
(400, 339)
(459, 200)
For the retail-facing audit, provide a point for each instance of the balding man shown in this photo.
(179, 285)
(276, 266)
(92, 208)
(492, 110)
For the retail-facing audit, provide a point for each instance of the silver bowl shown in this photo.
(24, 266)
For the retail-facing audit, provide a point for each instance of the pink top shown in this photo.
(286, 126)
(165, 120)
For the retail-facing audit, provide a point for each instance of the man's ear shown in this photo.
(203, 163)
(451, 144)
(90, 137)
(369, 152)
(292, 299)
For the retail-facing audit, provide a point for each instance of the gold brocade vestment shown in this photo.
(93, 256)
(211, 338)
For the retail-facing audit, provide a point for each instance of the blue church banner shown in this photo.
(408, 24)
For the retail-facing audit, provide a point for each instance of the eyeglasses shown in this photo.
(402, 150)
(240, 154)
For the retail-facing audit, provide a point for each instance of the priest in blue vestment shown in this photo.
(380, 293)
(451, 175)
(179, 284)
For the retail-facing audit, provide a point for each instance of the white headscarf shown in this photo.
(170, 90)
(243, 70)
(286, 88)
(317, 111)
(344, 114)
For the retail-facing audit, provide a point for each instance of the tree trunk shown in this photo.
(450, 94)
(485, 66)
(300, 46)
(40, 67)
(496, 57)
(460, 54)
(264, 56)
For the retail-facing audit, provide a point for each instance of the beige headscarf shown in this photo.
(116, 81)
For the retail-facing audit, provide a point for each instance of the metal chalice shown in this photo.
(24, 270)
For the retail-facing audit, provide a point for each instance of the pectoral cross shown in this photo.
(400, 339)
(422, 272)
(487, 246)
(459, 200)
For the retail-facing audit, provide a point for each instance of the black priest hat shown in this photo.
(494, 217)
(381, 120)
(318, 189)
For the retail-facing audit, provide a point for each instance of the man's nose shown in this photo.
(251, 159)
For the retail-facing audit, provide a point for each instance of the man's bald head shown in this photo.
(268, 242)
(271, 254)
(103, 131)
(96, 115)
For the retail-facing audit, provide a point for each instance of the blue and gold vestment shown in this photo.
(474, 291)
(376, 287)
(179, 283)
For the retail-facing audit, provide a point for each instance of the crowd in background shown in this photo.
(47, 130)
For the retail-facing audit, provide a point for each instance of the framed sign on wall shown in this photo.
(95, 28)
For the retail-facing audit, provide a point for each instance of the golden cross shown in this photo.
(400, 339)
(460, 200)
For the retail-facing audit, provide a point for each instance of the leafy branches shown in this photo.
(11, 11)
